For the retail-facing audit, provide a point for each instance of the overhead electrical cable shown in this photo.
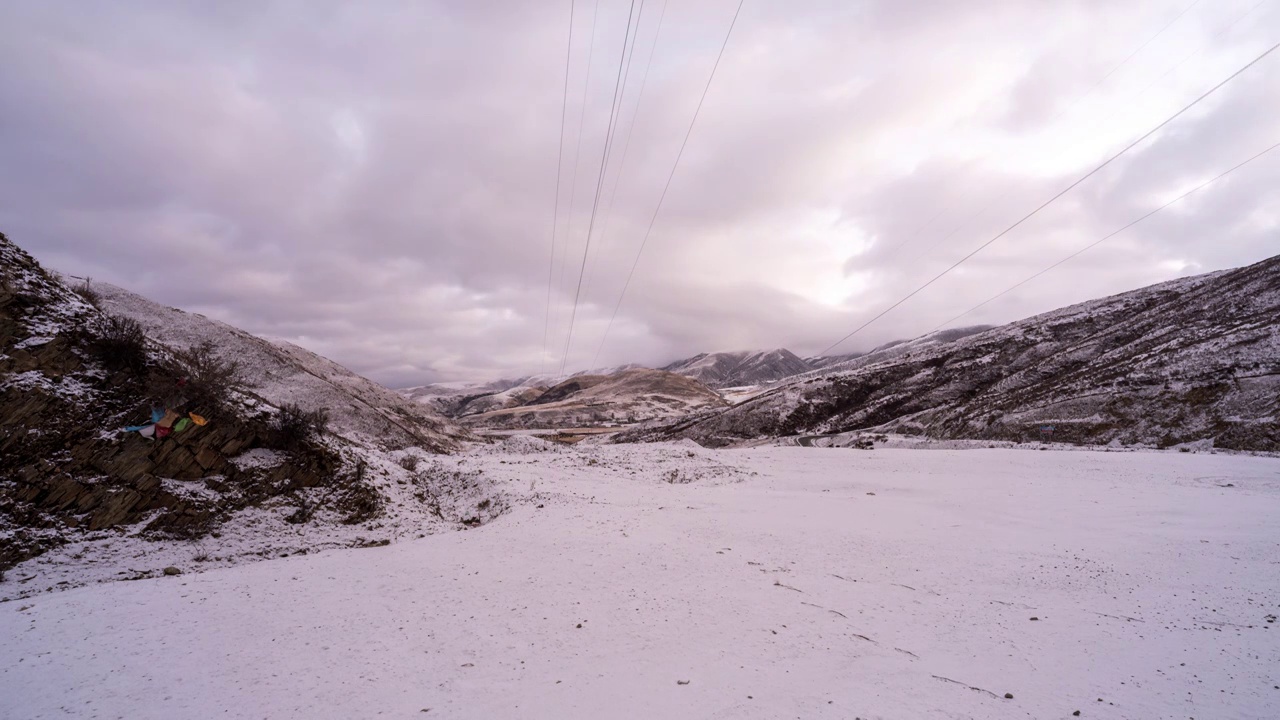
(577, 152)
(667, 187)
(1104, 238)
(1129, 100)
(1051, 200)
(915, 234)
(1182, 62)
(595, 205)
(555, 212)
(631, 126)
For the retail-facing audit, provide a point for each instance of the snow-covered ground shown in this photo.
(671, 581)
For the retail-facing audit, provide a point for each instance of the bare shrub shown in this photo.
(210, 380)
(85, 290)
(120, 343)
(410, 462)
(294, 428)
(675, 477)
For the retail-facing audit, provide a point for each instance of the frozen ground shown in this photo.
(761, 583)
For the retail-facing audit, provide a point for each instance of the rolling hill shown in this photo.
(587, 400)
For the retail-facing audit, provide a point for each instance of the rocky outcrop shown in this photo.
(65, 464)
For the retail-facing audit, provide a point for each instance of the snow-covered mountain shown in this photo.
(1190, 359)
(232, 469)
(623, 397)
(281, 372)
(736, 369)
(894, 349)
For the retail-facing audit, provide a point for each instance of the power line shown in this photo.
(1050, 201)
(1184, 60)
(1135, 52)
(631, 126)
(604, 163)
(577, 152)
(555, 212)
(916, 233)
(1130, 99)
(1061, 113)
(1104, 238)
(667, 187)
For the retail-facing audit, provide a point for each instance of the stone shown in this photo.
(208, 458)
(171, 570)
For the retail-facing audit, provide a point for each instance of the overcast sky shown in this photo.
(376, 181)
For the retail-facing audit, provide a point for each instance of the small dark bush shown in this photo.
(86, 291)
(210, 380)
(303, 514)
(120, 343)
(294, 427)
(410, 462)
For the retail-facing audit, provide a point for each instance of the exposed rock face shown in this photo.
(66, 466)
(1190, 359)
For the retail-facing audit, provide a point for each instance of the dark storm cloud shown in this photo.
(374, 181)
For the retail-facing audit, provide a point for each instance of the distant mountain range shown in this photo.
(1187, 360)
(737, 369)
(623, 397)
(704, 381)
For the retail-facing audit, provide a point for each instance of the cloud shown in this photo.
(376, 181)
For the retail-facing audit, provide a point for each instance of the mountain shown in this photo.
(281, 372)
(459, 399)
(624, 397)
(1191, 359)
(252, 468)
(736, 369)
(894, 349)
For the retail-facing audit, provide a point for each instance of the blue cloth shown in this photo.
(136, 428)
(157, 414)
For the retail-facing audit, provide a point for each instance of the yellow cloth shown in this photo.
(197, 419)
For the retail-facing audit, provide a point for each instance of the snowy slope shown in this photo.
(1196, 358)
(455, 399)
(76, 488)
(625, 397)
(281, 372)
(779, 583)
(895, 349)
(736, 369)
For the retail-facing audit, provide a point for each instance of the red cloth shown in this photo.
(162, 432)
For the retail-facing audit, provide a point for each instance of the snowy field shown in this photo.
(761, 583)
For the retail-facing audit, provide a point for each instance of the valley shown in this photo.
(751, 583)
